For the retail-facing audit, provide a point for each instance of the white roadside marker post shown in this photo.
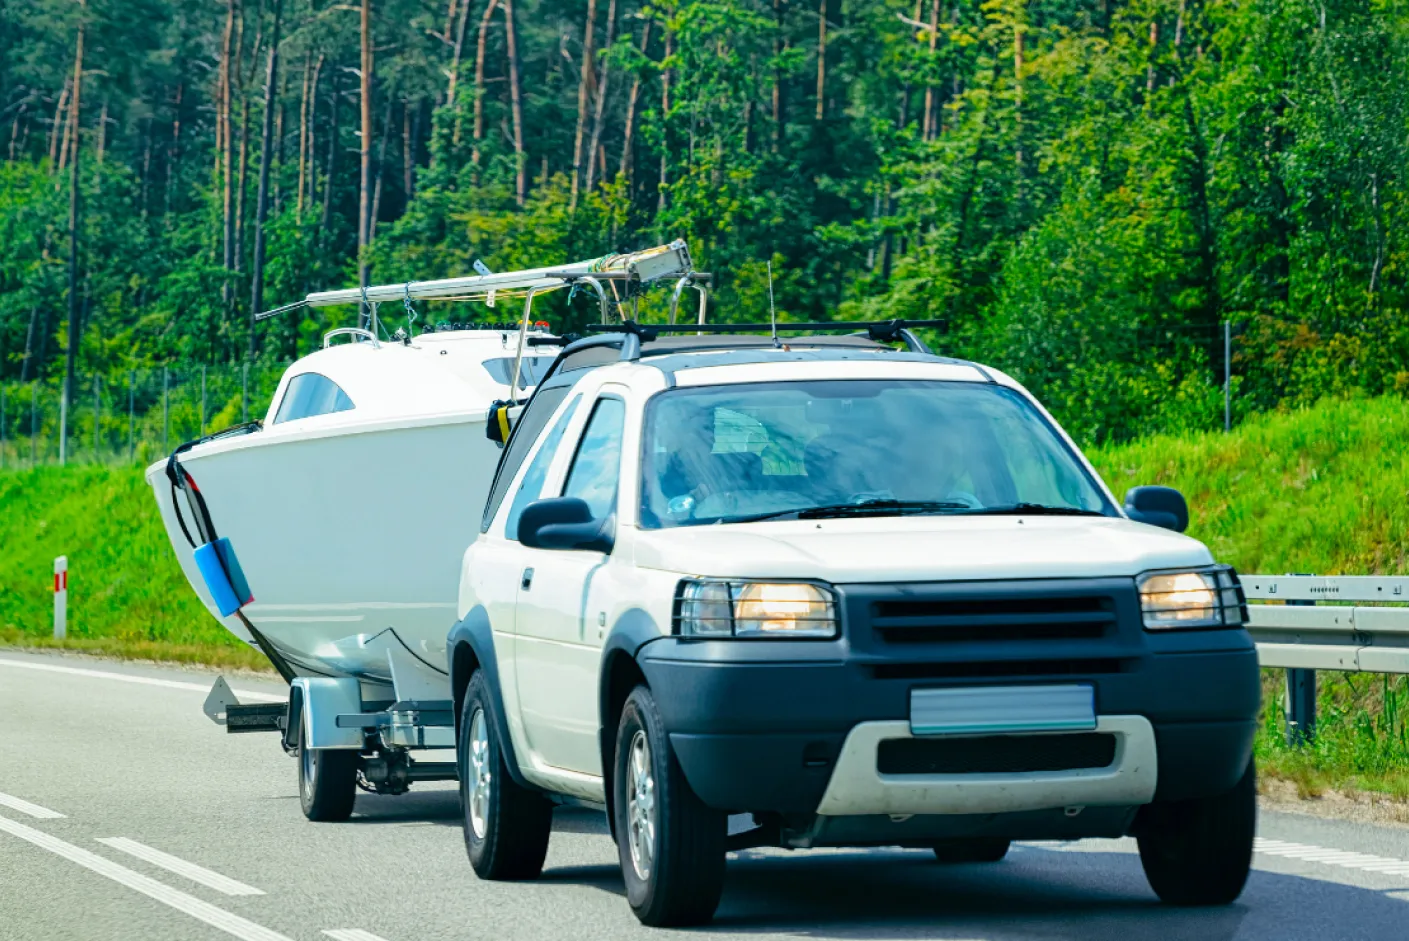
(60, 597)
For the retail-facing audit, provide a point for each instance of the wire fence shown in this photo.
(137, 418)
(1103, 384)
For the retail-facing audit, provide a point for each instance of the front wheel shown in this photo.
(506, 826)
(327, 781)
(1198, 852)
(671, 845)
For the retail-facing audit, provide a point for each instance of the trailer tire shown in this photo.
(327, 781)
(507, 826)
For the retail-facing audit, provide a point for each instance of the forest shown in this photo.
(1085, 191)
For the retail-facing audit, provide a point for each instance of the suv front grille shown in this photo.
(954, 620)
(996, 754)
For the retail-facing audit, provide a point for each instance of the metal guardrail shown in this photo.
(1326, 623)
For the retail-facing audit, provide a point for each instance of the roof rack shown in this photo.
(882, 331)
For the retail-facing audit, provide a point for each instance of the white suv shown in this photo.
(823, 592)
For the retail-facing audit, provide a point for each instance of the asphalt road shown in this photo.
(147, 787)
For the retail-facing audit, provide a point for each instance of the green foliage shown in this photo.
(1085, 192)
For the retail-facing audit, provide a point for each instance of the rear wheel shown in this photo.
(671, 845)
(506, 826)
(327, 781)
(973, 850)
(1198, 852)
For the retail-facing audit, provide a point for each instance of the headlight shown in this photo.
(714, 608)
(1204, 598)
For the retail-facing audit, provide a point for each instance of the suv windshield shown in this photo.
(723, 454)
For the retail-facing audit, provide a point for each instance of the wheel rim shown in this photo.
(479, 778)
(310, 769)
(641, 807)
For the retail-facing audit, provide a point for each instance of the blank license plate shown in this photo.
(976, 710)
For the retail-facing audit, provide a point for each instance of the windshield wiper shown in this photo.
(869, 508)
(1034, 509)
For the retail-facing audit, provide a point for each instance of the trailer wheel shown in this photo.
(672, 846)
(327, 781)
(1198, 852)
(506, 826)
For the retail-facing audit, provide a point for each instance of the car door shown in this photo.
(494, 561)
(556, 650)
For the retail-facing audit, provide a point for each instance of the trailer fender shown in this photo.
(471, 647)
(323, 699)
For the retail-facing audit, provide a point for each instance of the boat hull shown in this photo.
(351, 542)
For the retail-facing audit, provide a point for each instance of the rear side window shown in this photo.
(526, 430)
(532, 484)
(310, 394)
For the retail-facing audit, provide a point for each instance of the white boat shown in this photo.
(350, 506)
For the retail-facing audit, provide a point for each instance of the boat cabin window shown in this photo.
(310, 394)
(531, 371)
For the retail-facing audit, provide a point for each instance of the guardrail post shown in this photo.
(60, 597)
(1301, 701)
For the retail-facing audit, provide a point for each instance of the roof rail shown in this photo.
(882, 331)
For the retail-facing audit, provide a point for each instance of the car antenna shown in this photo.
(772, 310)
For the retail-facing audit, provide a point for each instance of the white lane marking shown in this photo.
(351, 934)
(212, 915)
(179, 866)
(25, 807)
(1345, 859)
(142, 680)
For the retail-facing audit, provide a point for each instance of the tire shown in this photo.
(506, 825)
(1198, 852)
(973, 850)
(671, 845)
(327, 781)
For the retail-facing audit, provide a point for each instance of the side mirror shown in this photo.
(496, 422)
(564, 523)
(1158, 506)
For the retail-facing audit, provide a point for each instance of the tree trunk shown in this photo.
(601, 103)
(173, 156)
(927, 125)
(364, 214)
(408, 152)
(266, 157)
(780, 43)
(821, 59)
(627, 163)
(584, 90)
(455, 61)
(665, 121)
(516, 102)
(227, 152)
(303, 128)
(242, 181)
(379, 173)
(75, 307)
(313, 127)
(479, 82)
(1018, 92)
(29, 339)
(327, 218)
(56, 131)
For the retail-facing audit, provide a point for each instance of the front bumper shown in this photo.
(794, 726)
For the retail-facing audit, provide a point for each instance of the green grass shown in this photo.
(127, 596)
(1324, 490)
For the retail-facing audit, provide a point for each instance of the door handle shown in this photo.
(527, 581)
